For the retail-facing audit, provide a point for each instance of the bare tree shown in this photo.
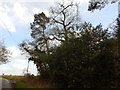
(64, 17)
(4, 53)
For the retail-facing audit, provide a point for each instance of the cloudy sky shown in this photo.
(15, 19)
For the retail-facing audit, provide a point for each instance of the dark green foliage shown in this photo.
(104, 69)
(80, 62)
(84, 61)
(99, 4)
(39, 31)
(118, 36)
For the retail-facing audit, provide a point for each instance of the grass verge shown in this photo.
(28, 82)
(21, 84)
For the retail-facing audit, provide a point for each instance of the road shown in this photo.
(0, 83)
(4, 83)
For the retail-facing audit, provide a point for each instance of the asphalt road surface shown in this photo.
(5, 84)
(0, 83)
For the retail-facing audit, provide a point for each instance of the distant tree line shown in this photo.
(73, 54)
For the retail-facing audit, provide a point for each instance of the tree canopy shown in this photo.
(84, 56)
(99, 4)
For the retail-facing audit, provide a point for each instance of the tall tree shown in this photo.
(39, 47)
(60, 25)
(39, 32)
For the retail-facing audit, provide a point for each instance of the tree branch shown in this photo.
(57, 21)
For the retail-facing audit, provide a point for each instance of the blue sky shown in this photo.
(15, 19)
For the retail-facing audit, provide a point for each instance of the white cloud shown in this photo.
(5, 68)
(21, 61)
(15, 51)
(22, 12)
(79, 1)
(83, 1)
(5, 20)
(28, 0)
(18, 66)
(37, 10)
(17, 63)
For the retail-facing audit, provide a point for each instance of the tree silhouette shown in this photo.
(4, 53)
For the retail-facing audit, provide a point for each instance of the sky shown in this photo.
(15, 19)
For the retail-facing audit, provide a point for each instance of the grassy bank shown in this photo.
(20, 84)
(28, 82)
